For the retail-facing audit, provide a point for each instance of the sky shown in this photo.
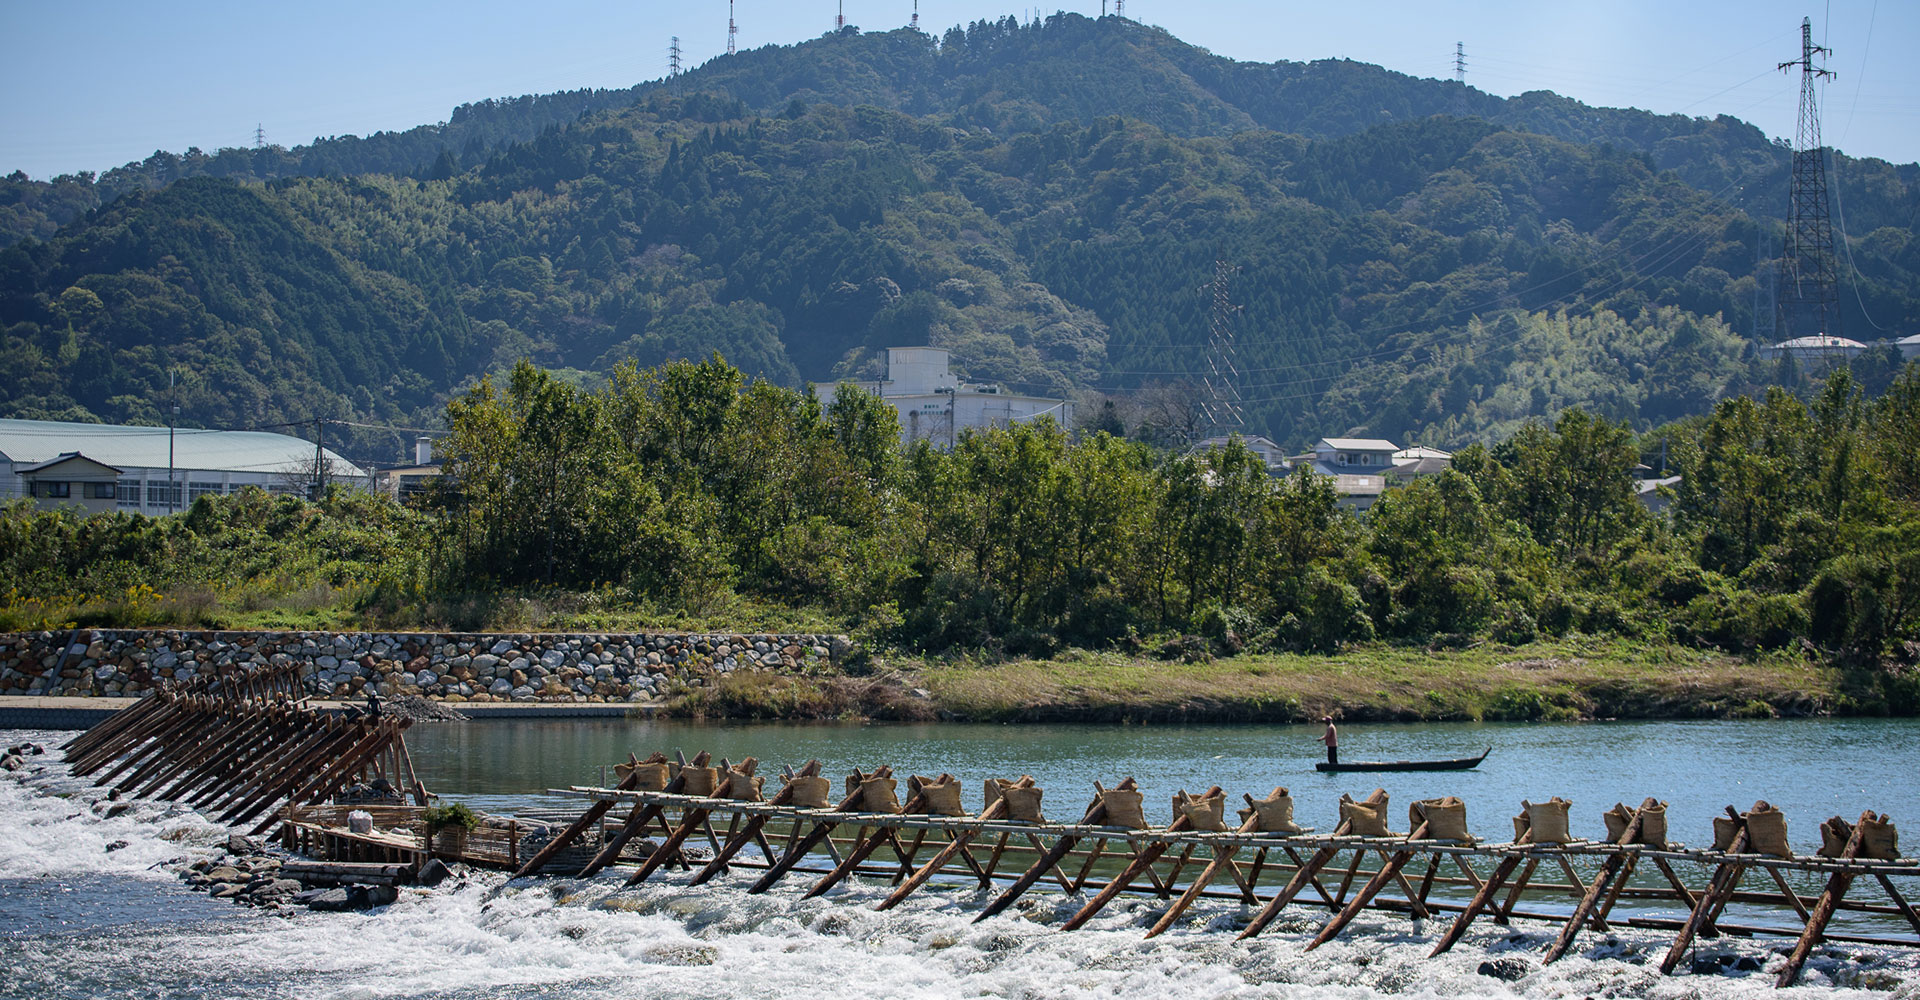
(92, 86)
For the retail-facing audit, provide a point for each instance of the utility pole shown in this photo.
(319, 459)
(173, 417)
(1223, 408)
(1809, 285)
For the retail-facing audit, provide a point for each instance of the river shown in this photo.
(77, 920)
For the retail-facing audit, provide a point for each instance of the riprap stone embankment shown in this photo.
(454, 667)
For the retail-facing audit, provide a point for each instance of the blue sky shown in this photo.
(91, 86)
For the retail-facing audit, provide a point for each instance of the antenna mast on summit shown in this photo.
(1222, 382)
(840, 19)
(1806, 263)
(915, 23)
(732, 28)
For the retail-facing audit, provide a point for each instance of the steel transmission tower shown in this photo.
(1809, 293)
(1222, 382)
(732, 28)
(260, 136)
(673, 64)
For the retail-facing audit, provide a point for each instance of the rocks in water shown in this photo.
(346, 897)
(1708, 965)
(432, 872)
(243, 846)
(12, 762)
(117, 845)
(1506, 969)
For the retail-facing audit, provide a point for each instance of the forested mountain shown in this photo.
(1415, 260)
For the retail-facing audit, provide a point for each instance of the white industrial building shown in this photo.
(935, 406)
(106, 467)
(1817, 350)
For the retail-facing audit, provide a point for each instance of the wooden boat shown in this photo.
(1455, 764)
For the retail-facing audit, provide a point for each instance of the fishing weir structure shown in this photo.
(335, 786)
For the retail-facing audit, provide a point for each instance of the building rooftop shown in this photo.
(1819, 341)
(1360, 444)
(35, 441)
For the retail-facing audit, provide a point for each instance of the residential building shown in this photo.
(157, 471)
(935, 406)
(1361, 468)
(1909, 347)
(1269, 452)
(403, 481)
(1417, 461)
(70, 480)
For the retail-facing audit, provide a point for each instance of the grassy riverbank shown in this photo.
(1564, 680)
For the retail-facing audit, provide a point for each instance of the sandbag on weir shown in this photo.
(1275, 813)
(1653, 823)
(1365, 819)
(1445, 817)
(1023, 801)
(1543, 822)
(1124, 808)
(942, 798)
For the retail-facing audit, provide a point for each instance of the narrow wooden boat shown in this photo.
(1455, 764)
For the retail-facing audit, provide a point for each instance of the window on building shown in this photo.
(126, 493)
(163, 494)
(197, 490)
(100, 491)
(56, 490)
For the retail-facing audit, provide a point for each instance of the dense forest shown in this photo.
(689, 487)
(1416, 260)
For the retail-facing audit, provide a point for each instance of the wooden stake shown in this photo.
(1222, 856)
(576, 828)
(959, 842)
(1608, 869)
(1837, 885)
(1096, 812)
(1304, 874)
(806, 844)
(1724, 879)
(1378, 882)
(1133, 871)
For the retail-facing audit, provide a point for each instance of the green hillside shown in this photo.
(1415, 260)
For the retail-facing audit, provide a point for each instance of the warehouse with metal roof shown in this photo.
(157, 470)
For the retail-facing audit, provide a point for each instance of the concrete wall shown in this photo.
(454, 667)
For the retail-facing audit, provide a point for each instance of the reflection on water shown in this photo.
(1811, 768)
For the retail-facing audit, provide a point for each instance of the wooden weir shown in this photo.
(246, 748)
(243, 747)
(1576, 884)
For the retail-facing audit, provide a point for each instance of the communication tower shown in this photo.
(1809, 294)
(915, 22)
(260, 136)
(1222, 382)
(840, 19)
(732, 28)
(1120, 8)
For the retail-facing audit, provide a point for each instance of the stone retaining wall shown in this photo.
(455, 667)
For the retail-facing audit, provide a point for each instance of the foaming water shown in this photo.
(131, 930)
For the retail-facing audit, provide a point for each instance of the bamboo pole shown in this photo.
(1140, 864)
(1222, 856)
(802, 845)
(635, 821)
(1481, 899)
(861, 851)
(920, 876)
(752, 831)
(1608, 870)
(691, 819)
(1837, 885)
(1095, 813)
(1304, 874)
(1378, 882)
(576, 828)
(1723, 881)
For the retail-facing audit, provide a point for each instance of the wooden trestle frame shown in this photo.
(1267, 870)
(238, 746)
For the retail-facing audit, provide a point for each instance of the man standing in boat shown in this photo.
(1332, 739)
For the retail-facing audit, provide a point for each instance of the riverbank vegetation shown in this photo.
(689, 496)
